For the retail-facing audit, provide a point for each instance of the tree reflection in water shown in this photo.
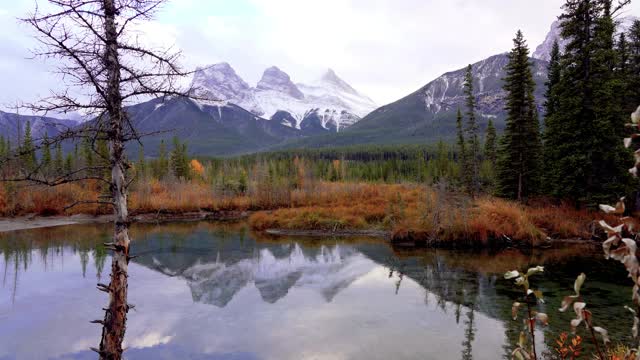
(218, 261)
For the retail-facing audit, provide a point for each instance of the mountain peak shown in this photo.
(330, 77)
(275, 79)
(543, 51)
(218, 81)
(330, 74)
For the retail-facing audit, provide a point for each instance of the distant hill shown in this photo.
(12, 126)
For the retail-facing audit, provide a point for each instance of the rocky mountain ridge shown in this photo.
(328, 104)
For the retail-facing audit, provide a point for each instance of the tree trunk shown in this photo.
(115, 317)
(520, 179)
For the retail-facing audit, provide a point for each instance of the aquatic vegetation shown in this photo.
(530, 298)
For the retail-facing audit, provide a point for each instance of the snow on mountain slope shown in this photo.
(335, 92)
(219, 82)
(543, 51)
(326, 104)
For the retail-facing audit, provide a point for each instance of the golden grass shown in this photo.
(407, 210)
(418, 213)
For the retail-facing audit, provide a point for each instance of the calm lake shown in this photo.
(219, 291)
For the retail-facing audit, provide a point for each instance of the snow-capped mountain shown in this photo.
(326, 104)
(543, 51)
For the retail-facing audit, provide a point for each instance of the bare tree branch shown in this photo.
(104, 67)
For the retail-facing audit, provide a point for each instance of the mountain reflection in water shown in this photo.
(216, 291)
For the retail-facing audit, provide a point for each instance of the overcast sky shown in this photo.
(384, 48)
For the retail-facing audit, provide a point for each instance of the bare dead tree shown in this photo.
(104, 68)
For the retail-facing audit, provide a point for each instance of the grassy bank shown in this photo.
(421, 214)
(411, 212)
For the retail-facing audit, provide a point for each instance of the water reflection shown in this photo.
(220, 292)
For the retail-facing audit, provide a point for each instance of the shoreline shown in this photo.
(328, 233)
(32, 221)
(29, 222)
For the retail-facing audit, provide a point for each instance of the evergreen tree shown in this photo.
(623, 75)
(518, 166)
(462, 150)
(46, 154)
(141, 165)
(68, 164)
(490, 143)
(87, 153)
(584, 155)
(163, 161)
(3, 147)
(102, 150)
(58, 161)
(633, 79)
(473, 147)
(179, 160)
(76, 156)
(27, 150)
(609, 164)
(553, 79)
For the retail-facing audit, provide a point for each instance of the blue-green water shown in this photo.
(217, 291)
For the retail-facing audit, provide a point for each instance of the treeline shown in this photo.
(384, 164)
(369, 163)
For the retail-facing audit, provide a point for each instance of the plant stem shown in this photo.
(531, 328)
(595, 340)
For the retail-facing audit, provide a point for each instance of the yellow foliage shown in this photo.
(197, 167)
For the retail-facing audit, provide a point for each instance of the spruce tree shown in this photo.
(87, 153)
(633, 80)
(3, 147)
(58, 160)
(163, 161)
(490, 143)
(141, 164)
(609, 90)
(585, 159)
(462, 150)
(623, 75)
(179, 161)
(27, 150)
(552, 129)
(76, 156)
(518, 166)
(102, 150)
(553, 79)
(69, 164)
(473, 147)
(46, 154)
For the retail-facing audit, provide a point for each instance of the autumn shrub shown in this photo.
(46, 201)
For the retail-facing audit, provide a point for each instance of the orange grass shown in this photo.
(404, 209)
